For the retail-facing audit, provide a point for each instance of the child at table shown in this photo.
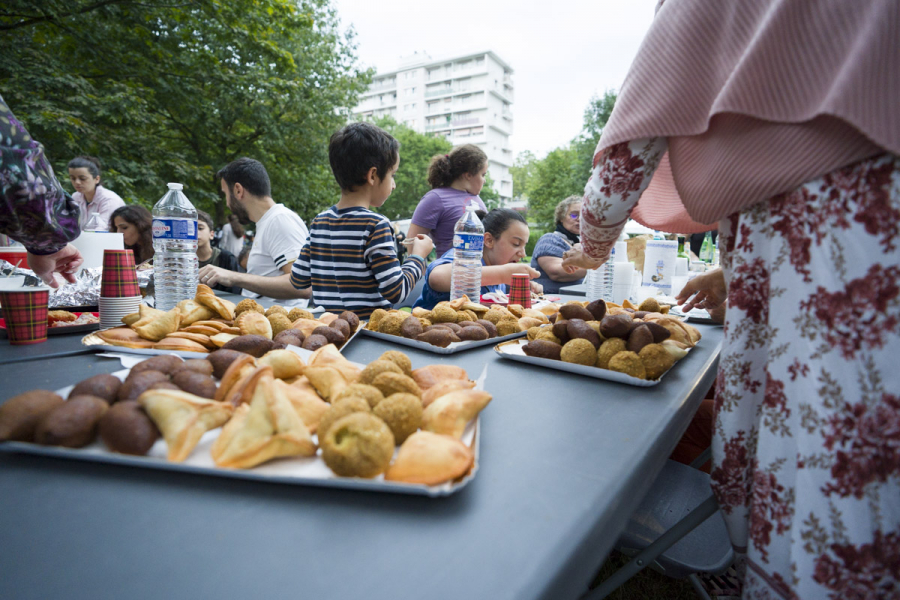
(350, 260)
(505, 235)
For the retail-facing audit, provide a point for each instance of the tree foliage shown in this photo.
(521, 171)
(174, 90)
(565, 170)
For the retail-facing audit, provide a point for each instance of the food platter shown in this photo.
(62, 330)
(453, 348)
(513, 351)
(310, 471)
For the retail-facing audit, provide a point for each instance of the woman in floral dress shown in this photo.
(773, 119)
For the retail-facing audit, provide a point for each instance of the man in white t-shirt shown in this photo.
(280, 235)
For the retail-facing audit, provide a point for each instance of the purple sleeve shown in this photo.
(428, 212)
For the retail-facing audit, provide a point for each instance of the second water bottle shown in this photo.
(468, 245)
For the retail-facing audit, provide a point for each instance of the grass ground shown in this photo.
(646, 585)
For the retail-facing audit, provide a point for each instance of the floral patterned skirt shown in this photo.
(806, 445)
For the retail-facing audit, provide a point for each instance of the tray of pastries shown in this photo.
(292, 416)
(206, 323)
(61, 322)
(606, 341)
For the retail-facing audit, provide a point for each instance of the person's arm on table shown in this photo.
(706, 291)
(439, 279)
(552, 267)
(278, 287)
(621, 174)
(395, 281)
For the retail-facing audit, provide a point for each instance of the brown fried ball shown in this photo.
(279, 321)
(399, 359)
(657, 360)
(495, 314)
(103, 386)
(300, 313)
(199, 365)
(164, 363)
(467, 315)
(411, 327)
(358, 445)
(532, 332)
(579, 352)
(276, 309)
(338, 410)
(342, 326)
(293, 337)
(488, 326)
(628, 363)
(402, 413)
(607, 350)
(248, 304)
(127, 429)
(374, 368)
(508, 327)
(351, 319)
(370, 393)
(137, 384)
(396, 383)
(375, 318)
(649, 305)
(392, 323)
(443, 313)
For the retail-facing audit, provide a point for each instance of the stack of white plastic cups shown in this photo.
(623, 274)
(681, 276)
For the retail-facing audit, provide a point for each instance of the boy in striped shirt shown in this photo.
(350, 260)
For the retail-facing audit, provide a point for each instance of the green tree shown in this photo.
(489, 194)
(172, 91)
(521, 171)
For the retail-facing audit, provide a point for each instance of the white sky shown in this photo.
(561, 54)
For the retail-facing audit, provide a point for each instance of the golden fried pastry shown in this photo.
(131, 319)
(230, 367)
(443, 313)
(535, 314)
(370, 394)
(307, 403)
(217, 325)
(431, 375)
(201, 329)
(443, 388)
(275, 309)
(192, 311)
(330, 356)
(328, 381)
(253, 323)
(160, 327)
(242, 391)
(358, 445)
(508, 327)
(248, 304)
(147, 314)
(220, 339)
(676, 349)
(300, 313)
(392, 323)
(279, 322)
(430, 458)
(374, 368)
(179, 345)
(220, 306)
(607, 350)
(399, 359)
(328, 318)
(183, 418)
(628, 363)
(203, 340)
(649, 305)
(305, 325)
(338, 410)
(395, 383)
(580, 352)
(402, 413)
(526, 322)
(267, 428)
(450, 413)
(65, 316)
(122, 336)
(656, 359)
(285, 364)
(421, 313)
(375, 319)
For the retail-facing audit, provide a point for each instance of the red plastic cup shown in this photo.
(520, 290)
(119, 276)
(25, 313)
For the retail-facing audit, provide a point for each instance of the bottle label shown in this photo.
(470, 242)
(174, 229)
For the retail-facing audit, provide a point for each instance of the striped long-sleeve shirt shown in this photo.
(351, 263)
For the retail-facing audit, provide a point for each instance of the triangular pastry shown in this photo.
(147, 314)
(307, 403)
(433, 374)
(330, 356)
(160, 327)
(443, 388)
(267, 428)
(183, 418)
(328, 381)
(430, 458)
(220, 306)
(285, 364)
(450, 413)
(192, 311)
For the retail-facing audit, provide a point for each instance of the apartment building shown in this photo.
(467, 99)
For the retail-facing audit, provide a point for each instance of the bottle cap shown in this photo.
(175, 186)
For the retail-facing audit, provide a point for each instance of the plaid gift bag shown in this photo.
(26, 316)
(119, 277)
(520, 291)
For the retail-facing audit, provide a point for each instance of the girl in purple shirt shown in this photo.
(454, 179)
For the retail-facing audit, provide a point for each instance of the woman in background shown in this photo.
(549, 250)
(455, 179)
(134, 222)
(91, 196)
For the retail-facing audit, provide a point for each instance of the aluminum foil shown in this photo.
(84, 292)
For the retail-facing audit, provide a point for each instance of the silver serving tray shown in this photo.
(453, 348)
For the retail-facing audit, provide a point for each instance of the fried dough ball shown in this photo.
(532, 332)
(399, 359)
(376, 367)
(580, 352)
(595, 325)
(425, 322)
(507, 327)
(392, 323)
(495, 314)
(299, 313)
(607, 350)
(402, 413)
(649, 305)
(628, 363)
(375, 318)
(396, 383)
(657, 360)
(369, 393)
(358, 445)
(276, 309)
(339, 410)
(467, 315)
(442, 313)
(546, 333)
(279, 321)
(248, 304)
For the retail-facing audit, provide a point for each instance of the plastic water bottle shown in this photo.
(175, 246)
(468, 246)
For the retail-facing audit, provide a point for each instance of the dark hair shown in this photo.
(499, 219)
(236, 226)
(141, 218)
(86, 162)
(447, 168)
(202, 215)
(357, 148)
(248, 172)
